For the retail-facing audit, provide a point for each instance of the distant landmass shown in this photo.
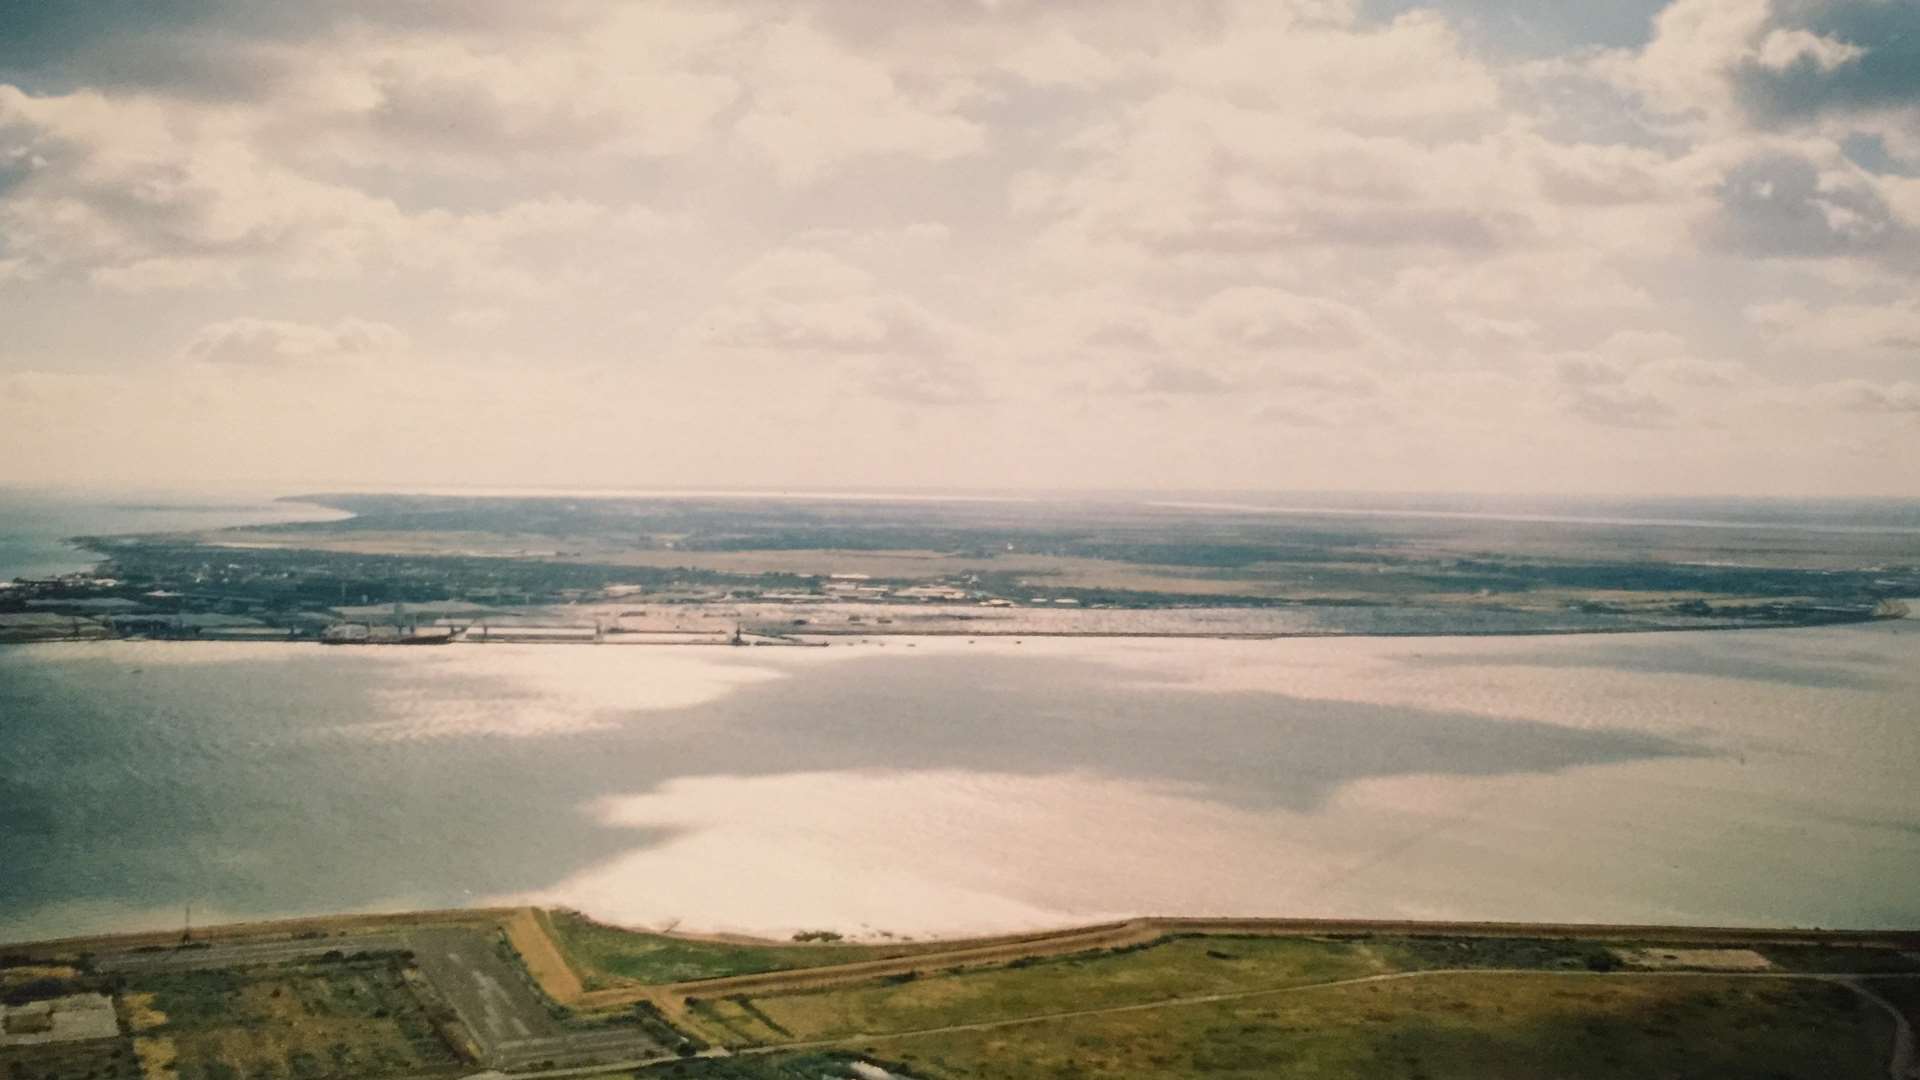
(772, 570)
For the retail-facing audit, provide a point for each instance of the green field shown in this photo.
(1442, 1027)
(1450, 1005)
(1257, 1006)
(1184, 967)
(609, 955)
(1471, 1027)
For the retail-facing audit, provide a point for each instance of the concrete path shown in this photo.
(504, 1013)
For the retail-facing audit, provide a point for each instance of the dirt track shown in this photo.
(527, 930)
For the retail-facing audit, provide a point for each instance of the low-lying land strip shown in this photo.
(694, 571)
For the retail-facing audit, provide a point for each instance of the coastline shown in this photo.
(66, 628)
(313, 927)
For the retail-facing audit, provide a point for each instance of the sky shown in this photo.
(1368, 245)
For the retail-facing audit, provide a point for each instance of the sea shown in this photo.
(37, 526)
(929, 787)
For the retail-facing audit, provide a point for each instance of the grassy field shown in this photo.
(1176, 967)
(1471, 1027)
(1230, 1002)
(608, 956)
(1179, 968)
(354, 1018)
(1556, 1008)
(99, 1059)
(1442, 1027)
(1903, 994)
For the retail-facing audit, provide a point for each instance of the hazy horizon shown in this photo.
(1187, 497)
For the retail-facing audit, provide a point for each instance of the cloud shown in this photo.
(798, 304)
(1692, 371)
(1296, 57)
(1643, 379)
(1834, 57)
(251, 342)
(1263, 318)
(817, 106)
(1839, 328)
(1619, 407)
(1859, 395)
(1784, 50)
(478, 318)
(930, 382)
(1778, 63)
(853, 324)
(1290, 416)
(801, 272)
(140, 187)
(1501, 329)
(996, 225)
(1180, 379)
(1783, 205)
(164, 274)
(634, 84)
(1588, 370)
(142, 194)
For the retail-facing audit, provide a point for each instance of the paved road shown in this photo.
(1906, 1057)
(489, 995)
(507, 1018)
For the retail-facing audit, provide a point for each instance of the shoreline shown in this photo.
(811, 639)
(318, 927)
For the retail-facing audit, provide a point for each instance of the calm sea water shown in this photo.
(947, 787)
(1737, 777)
(35, 525)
